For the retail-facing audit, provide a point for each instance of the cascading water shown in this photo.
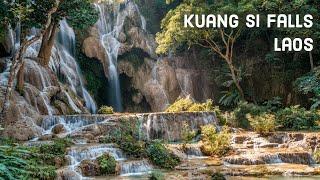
(108, 36)
(65, 61)
(110, 25)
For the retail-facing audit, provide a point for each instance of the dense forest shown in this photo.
(109, 89)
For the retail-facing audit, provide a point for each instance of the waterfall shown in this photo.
(110, 25)
(108, 36)
(65, 62)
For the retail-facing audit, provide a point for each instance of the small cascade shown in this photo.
(71, 123)
(194, 152)
(93, 151)
(4, 76)
(133, 168)
(110, 25)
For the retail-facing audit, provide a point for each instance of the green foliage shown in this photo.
(180, 105)
(12, 166)
(186, 104)
(127, 136)
(215, 143)
(316, 156)
(230, 98)
(107, 164)
(296, 118)
(240, 114)
(105, 110)
(187, 134)
(19, 162)
(273, 105)
(96, 82)
(218, 176)
(156, 175)
(79, 13)
(57, 148)
(160, 156)
(264, 123)
(310, 84)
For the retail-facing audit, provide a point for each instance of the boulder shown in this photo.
(93, 48)
(59, 129)
(90, 168)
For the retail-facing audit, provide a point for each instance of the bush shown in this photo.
(180, 105)
(296, 118)
(217, 176)
(160, 156)
(58, 147)
(128, 138)
(187, 134)
(316, 156)
(105, 110)
(107, 164)
(157, 175)
(263, 123)
(19, 162)
(240, 114)
(187, 105)
(215, 143)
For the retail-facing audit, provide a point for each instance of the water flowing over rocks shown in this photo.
(44, 92)
(86, 131)
(121, 31)
(165, 126)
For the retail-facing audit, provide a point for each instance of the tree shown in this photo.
(219, 40)
(79, 13)
(223, 41)
(45, 16)
(20, 12)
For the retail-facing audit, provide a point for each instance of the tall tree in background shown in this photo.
(223, 41)
(219, 40)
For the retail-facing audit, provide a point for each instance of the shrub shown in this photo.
(187, 134)
(57, 148)
(19, 162)
(263, 123)
(214, 143)
(127, 136)
(180, 105)
(217, 176)
(157, 175)
(241, 111)
(316, 156)
(160, 156)
(105, 110)
(12, 166)
(107, 164)
(296, 118)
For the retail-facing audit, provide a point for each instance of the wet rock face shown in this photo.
(66, 174)
(282, 147)
(162, 82)
(90, 168)
(58, 129)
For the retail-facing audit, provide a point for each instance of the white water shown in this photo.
(110, 25)
(65, 62)
(133, 168)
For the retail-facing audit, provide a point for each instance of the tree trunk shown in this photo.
(47, 44)
(17, 61)
(311, 61)
(20, 78)
(235, 79)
